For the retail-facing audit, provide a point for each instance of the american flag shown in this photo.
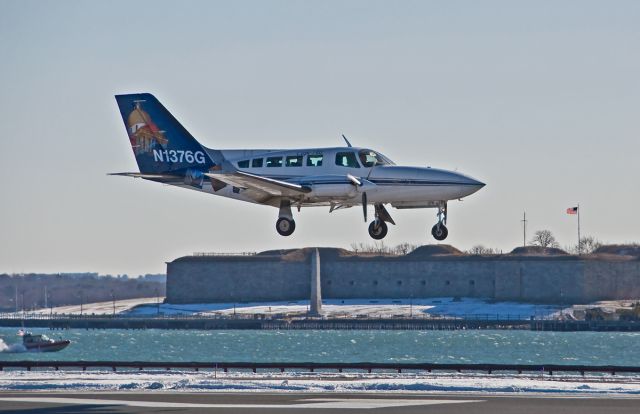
(572, 210)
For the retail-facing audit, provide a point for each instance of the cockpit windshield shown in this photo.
(370, 158)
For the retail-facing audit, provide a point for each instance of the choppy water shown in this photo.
(521, 347)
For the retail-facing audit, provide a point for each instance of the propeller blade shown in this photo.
(354, 180)
(364, 206)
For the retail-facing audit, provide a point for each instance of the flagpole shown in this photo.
(579, 242)
(524, 229)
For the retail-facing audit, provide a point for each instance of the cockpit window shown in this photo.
(370, 158)
(347, 159)
(314, 160)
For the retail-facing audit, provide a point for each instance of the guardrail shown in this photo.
(316, 366)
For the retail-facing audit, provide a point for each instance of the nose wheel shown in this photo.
(378, 229)
(439, 231)
(285, 226)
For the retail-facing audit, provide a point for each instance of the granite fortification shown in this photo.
(429, 271)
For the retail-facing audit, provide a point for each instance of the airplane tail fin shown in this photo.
(159, 142)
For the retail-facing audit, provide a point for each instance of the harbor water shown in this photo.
(508, 347)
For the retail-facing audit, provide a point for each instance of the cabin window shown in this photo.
(243, 164)
(294, 161)
(347, 159)
(274, 162)
(314, 160)
(256, 163)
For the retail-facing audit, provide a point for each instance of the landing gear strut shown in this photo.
(439, 231)
(285, 224)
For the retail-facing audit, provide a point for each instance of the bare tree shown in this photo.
(544, 238)
(588, 245)
(379, 247)
(480, 250)
(404, 248)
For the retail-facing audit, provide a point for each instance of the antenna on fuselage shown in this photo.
(347, 141)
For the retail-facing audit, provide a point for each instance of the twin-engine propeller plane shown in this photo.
(337, 177)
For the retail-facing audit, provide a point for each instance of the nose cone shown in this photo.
(470, 185)
(471, 181)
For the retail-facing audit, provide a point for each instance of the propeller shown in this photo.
(364, 206)
(362, 184)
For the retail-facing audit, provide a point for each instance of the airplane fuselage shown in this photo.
(339, 177)
(325, 171)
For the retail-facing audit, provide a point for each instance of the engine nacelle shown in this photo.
(341, 191)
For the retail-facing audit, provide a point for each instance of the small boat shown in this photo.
(42, 343)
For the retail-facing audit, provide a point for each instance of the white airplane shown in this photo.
(337, 177)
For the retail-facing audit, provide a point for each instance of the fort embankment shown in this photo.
(526, 275)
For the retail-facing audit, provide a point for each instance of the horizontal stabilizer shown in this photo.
(143, 175)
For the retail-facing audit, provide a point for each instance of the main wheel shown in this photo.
(285, 226)
(439, 232)
(378, 231)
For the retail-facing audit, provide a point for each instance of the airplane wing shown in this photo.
(273, 187)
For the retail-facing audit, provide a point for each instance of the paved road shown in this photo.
(260, 403)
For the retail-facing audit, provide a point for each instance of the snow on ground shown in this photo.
(99, 308)
(362, 307)
(375, 308)
(190, 381)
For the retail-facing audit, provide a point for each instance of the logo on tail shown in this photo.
(145, 136)
(159, 142)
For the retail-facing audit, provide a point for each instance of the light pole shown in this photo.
(113, 299)
(81, 302)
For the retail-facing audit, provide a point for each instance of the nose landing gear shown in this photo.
(439, 231)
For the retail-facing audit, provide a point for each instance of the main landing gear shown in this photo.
(378, 227)
(439, 231)
(285, 224)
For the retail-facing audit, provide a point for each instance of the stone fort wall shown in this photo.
(286, 276)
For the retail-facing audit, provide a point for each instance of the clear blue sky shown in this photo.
(540, 100)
